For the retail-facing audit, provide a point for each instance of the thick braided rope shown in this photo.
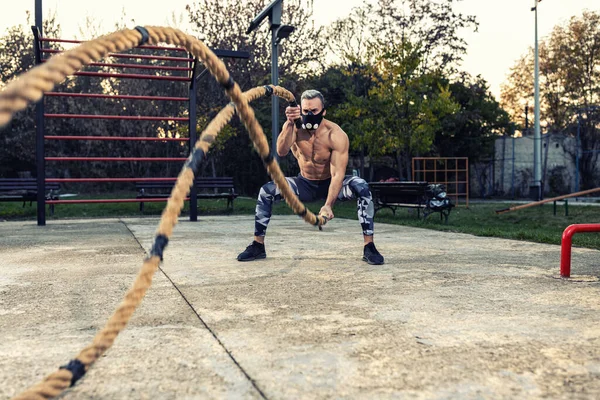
(31, 86)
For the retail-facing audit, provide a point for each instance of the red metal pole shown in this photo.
(117, 138)
(121, 117)
(139, 66)
(115, 159)
(140, 56)
(146, 200)
(134, 76)
(567, 241)
(114, 96)
(139, 47)
(62, 180)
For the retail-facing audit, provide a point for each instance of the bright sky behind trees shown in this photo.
(506, 27)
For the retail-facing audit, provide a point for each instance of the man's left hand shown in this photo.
(326, 211)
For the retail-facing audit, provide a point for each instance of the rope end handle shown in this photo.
(321, 220)
(297, 121)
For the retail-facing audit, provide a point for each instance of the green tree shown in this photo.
(17, 139)
(472, 130)
(402, 110)
(434, 25)
(398, 54)
(301, 55)
(569, 87)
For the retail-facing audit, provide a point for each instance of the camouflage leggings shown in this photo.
(307, 190)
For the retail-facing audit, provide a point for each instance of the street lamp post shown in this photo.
(278, 33)
(536, 189)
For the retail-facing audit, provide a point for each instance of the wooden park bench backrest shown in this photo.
(23, 184)
(399, 192)
(201, 183)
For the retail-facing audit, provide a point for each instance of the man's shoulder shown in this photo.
(334, 129)
(337, 136)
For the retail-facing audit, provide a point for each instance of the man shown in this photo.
(321, 148)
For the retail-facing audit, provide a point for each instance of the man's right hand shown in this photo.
(292, 113)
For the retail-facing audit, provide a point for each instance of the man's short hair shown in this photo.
(313, 94)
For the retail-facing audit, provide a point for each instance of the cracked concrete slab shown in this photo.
(448, 316)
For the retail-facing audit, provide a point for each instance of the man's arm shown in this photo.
(339, 161)
(287, 136)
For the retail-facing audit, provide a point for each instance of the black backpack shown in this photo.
(437, 199)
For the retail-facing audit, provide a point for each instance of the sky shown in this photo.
(506, 27)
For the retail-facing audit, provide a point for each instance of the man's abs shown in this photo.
(313, 171)
(313, 155)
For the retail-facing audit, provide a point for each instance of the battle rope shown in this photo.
(31, 86)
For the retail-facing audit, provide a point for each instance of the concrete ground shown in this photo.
(449, 316)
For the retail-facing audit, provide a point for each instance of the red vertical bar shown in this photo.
(567, 242)
(565, 252)
(446, 173)
(467, 179)
(456, 180)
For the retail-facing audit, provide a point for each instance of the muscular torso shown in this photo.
(313, 151)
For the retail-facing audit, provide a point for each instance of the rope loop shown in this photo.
(30, 87)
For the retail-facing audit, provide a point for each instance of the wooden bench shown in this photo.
(25, 190)
(395, 195)
(208, 188)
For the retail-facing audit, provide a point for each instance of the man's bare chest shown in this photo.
(315, 148)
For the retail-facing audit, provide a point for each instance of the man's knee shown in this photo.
(361, 188)
(267, 191)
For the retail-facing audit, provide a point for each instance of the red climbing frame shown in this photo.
(567, 241)
(187, 73)
(452, 172)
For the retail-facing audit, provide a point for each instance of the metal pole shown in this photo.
(193, 138)
(577, 152)
(39, 15)
(537, 142)
(39, 137)
(513, 168)
(275, 99)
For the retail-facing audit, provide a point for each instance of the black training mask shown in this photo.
(312, 121)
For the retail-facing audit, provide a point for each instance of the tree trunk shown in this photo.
(399, 165)
(362, 162)
(407, 167)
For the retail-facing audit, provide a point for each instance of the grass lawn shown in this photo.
(534, 224)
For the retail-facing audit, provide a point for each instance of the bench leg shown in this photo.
(382, 207)
(141, 193)
(446, 215)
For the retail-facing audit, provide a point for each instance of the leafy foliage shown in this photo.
(569, 61)
(432, 24)
(474, 127)
(17, 140)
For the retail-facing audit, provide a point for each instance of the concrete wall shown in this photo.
(510, 173)
(513, 165)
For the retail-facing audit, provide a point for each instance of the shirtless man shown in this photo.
(321, 148)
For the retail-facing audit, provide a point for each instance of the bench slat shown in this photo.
(403, 194)
(222, 184)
